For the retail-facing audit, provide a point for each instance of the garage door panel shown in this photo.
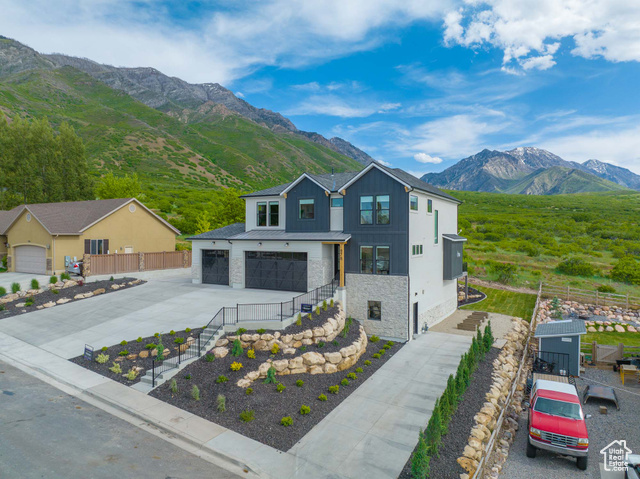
(215, 267)
(30, 259)
(277, 271)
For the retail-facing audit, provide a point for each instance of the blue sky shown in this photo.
(416, 84)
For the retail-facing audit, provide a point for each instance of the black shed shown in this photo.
(559, 343)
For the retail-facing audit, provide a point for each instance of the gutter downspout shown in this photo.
(53, 256)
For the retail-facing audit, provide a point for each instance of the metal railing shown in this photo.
(191, 351)
(550, 362)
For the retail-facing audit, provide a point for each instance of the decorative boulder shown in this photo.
(313, 358)
(219, 352)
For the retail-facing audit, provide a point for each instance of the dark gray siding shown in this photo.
(307, 189)
(557, 345)
(395, 234)
(452, 257)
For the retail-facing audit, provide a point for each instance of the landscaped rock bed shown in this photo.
(67, 292)
(445, 465)
(133, 359)
(474, 296)
(269, 405)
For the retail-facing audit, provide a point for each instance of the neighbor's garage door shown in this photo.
(31, 259)
(215, 266)
(271, 270)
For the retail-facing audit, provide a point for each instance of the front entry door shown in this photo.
(415, 318)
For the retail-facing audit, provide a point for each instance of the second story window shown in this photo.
(435, 227)
(375, 207)
(262, 213)
(413, 203)
(429, 207)
(337, 202)
(274, 213)
(366, 210)
(382, 205)
(307, 209)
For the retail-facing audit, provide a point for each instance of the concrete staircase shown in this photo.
(146, 382)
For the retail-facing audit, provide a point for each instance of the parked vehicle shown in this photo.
(633, 467)
(556, 421)
(75, 267)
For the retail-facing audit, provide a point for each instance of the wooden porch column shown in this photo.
(342, 265)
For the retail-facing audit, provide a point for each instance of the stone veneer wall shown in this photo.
(391, 291)
(236, 267)
(315, 274)
(436, 314)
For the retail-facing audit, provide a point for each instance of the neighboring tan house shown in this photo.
(390, 238)
(43, 238)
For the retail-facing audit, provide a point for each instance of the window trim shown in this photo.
(411, 208)
(269, 213)
(266, 214)
(313, 202)
(369, 309)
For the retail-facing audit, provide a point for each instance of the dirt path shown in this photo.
(490, 284)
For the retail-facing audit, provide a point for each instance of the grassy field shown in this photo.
(612, 338)
(505, 302)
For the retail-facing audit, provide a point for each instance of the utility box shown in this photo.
(452, 256)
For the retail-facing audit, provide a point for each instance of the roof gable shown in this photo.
(302, 177)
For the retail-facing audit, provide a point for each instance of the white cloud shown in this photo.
(424, 158)
(529, 31)
(333, 105)
(239, 94)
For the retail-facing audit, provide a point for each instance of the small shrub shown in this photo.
(139, 340)
(305, 409)
(299, 320)
(275, 349)
(222, 379)
(15, 287)
(324, 305)
(334, 342)
(317, 310)
(173, 385)
(222, 403)
(247, 415)
(334, 389)
(3, 307)
(376, 356)
(251, 353)
(286, 421)
(188, 376)
(374, 339)
(347, 327)
(271, 376)
(131, 375)
(261, 331)
(116, 368)
(359, 370)
(236, 366)
(188, 330)
(55, 291)
(209, 357)
(367, 363)
(280, 387)
(575, 267)
(302, 348)
(102, 358)
(626, 270)
(420, 459)
(331, 303)
(241, 331)
(344, 382)
(606, 288)
(35, 284)
(172, 333)
(178, 340)
(157, 335)
(386, 346)
(195, 393)
(104, 348)
(150, 346)
(248, 391)
(322, 397)
(29, 302)
(320, 344)
(352, 376)
(111, 279)
(3, 291)
(64, 276)
(53, 280)
(389, 343)
(299, 383)
(124, 352)
(123, 343)
(382, 352)
(237, 350)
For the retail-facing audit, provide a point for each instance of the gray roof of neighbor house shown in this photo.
(560, 328)
(72, 217)
(335, 182)
(454, 237)
(236, 232)
(225, 232)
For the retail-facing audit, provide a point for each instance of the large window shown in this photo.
(374, 259)
(274, 213)
(262, 213)
(374, 310)
(99, 246)
(337, 202)
(366, 210)
(307, 209)
(377, 207)
(413, 203)
(435, 227)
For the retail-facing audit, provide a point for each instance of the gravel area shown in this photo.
(444, 466)
(269, 405)
(615, 425)
(39, 299)
(133, 347)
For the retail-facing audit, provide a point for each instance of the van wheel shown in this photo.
(582, 463)
(531, 451)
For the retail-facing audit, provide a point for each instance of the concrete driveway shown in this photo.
(24, 279)
(160, 305)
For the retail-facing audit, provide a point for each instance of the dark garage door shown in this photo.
(271, 270)
(215, 266)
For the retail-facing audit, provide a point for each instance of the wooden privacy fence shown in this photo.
(97, 264)
(590, 296)
(609, 353)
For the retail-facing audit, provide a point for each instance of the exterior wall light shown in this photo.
(260, 244)
(286, 244)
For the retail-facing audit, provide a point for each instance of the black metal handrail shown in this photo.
(549, 362)
(159, 367)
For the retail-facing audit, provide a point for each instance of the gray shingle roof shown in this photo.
(560, 328)
(223, 233)
(273, 191)
(417, 183)
(7, 217)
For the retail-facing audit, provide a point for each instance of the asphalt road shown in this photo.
(45, 433)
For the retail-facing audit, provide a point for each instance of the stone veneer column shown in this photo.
(86, 265)
(236, 268)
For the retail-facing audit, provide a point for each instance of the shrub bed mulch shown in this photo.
(268, 404)
(472, 292)
(307, 320)
(133, 347)
(69, 293)
(445, 466)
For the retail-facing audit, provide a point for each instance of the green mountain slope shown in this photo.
(560, 180)
(219, 148)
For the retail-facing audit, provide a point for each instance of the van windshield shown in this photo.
(558, 408)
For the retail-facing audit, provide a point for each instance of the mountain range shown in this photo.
(163, 128)
(532, 171)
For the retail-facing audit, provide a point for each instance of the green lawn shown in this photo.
(505, 302)
(613, 338)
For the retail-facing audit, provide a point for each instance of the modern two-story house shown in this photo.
(389, 237)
